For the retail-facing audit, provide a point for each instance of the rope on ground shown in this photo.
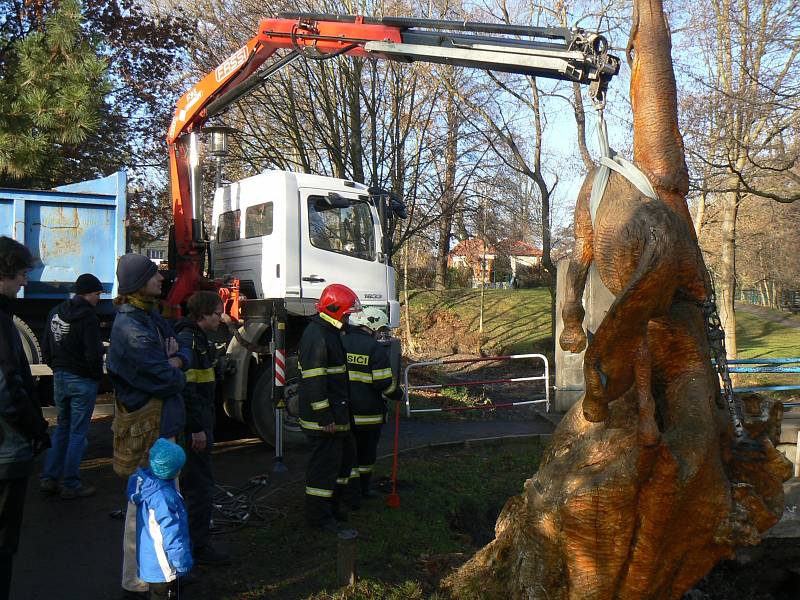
(235, 507)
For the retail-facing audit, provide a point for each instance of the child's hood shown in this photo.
(143, 484)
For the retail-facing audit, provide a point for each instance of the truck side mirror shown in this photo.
(399, 208)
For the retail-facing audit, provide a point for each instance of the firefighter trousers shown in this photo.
(366, 452)
(347, 484)
(197, 489)
(329, 462)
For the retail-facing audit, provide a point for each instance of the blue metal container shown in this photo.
(72, 229)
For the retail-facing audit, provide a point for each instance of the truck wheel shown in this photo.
(29, 342)
(262, 411)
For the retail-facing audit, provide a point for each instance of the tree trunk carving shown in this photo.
(639, 493)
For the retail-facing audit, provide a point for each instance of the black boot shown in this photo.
(338, 514)
(366, 489)
(206, 555)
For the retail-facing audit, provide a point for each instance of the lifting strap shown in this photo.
(610, 160)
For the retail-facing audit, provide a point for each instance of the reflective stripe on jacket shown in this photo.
(323, 379)
(200, 379)
(370, 376)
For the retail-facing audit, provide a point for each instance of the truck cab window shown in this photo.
(229, 226)
(258, 220)
(348, 230)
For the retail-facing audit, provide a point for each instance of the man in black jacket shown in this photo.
(197, 479)
(324, 416)
(23, 430)
(73, 348)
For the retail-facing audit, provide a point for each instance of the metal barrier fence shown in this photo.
(773, 365)
(545, 377)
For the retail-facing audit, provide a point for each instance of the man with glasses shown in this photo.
(205, 313)
(23, 430)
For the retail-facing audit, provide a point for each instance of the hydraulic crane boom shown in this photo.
(556, 53)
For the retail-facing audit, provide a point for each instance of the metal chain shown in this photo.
(716, 340)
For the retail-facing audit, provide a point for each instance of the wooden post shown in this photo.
(346, 557)
(797, 456)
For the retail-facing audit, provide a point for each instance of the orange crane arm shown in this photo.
(579, 56)
(327, 38)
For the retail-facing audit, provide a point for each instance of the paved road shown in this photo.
(71, 550)
(785, 319)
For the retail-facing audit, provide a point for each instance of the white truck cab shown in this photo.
(285, 236)
(288, 235)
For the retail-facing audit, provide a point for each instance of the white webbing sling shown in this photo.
(610, 160)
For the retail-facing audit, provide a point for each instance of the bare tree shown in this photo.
(745, 111)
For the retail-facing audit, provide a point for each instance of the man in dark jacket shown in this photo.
(197, 479)
(145, 363)
(324, 415)
(23, 430)
(73, 348)
(370, 376)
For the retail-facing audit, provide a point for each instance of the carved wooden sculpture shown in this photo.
(638, 494)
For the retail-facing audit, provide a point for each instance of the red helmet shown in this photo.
(338, 300)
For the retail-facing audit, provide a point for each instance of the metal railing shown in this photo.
(545, 377)
(766, 365)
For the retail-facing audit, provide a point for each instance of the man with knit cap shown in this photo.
(73, 348)
(145, 364)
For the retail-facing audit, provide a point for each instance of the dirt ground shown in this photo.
(73, 549)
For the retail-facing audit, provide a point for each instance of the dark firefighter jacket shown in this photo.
(21, 420)
(72, 339)
(201, 381)
(323, 383)
(370, 377)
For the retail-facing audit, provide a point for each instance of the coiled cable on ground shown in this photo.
(234, 507)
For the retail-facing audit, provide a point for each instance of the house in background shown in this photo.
(155, 250)
(481, 257)
(475, 254)
(521, 254)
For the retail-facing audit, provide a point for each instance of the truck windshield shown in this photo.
(347, 230)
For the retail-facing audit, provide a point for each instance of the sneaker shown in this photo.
(206, 555)
(48, 486)
(82, 491)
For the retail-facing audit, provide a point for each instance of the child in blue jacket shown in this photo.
(163, 548)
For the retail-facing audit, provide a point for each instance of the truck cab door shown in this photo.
(340, 243)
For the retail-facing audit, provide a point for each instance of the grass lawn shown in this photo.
(450, 500)
(760, 338)
(514, 321)
(518, 321)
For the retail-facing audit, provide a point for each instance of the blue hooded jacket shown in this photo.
(137, 363)
(162, 528)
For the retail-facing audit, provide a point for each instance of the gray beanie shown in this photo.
(133, 271)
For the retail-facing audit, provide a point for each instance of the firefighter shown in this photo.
(324, 415)
(370, 377)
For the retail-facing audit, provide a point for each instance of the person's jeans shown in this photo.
(74, 398)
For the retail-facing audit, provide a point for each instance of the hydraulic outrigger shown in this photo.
(554, 53)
